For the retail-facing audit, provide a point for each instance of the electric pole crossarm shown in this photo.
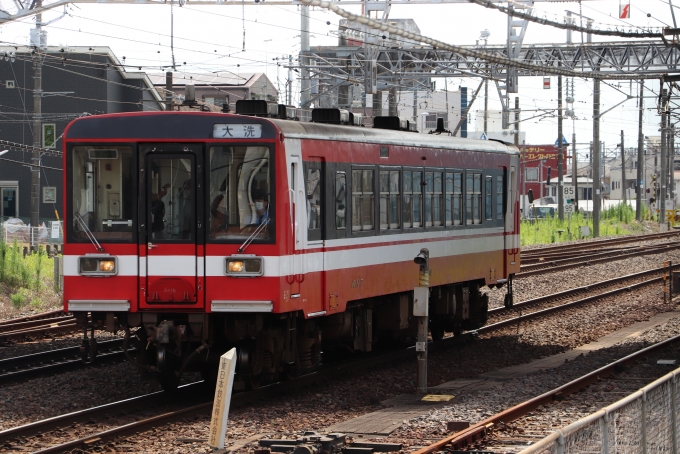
(615, 106)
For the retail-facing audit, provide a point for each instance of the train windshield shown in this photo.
(241, 195)
(103, 192)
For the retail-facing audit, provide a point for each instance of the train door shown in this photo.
(313, 259)
(174, 228)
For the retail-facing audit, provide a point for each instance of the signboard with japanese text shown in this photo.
(223, 389)
(236, 131)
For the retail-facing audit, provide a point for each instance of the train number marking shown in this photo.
(357, 283)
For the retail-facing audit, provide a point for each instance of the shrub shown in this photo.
(18, 299)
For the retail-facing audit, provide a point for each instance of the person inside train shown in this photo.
(219, 217)
(261, 213)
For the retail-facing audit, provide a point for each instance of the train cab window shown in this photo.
(363, 201)
(412, 198)
(473, 198)
(389, 199)
(488, 198)
(103, 192)
(240, 193)
(499, 197)
(433, 199)
(340, 200)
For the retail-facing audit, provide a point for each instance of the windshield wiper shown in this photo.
(250, 239)
(89, 233)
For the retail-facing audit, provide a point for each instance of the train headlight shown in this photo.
(247, 266)
(98, 265)
(107, 266)
(235, 266)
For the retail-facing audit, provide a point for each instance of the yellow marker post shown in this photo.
(220, 411)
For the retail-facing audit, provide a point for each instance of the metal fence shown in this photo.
(50, 232)
(644, 422)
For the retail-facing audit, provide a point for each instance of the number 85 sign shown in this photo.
(568, 192)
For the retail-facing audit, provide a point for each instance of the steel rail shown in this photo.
(575, 291)
(596, 255)
(606, 242)
(54, 360)
(588, 262)
(304, 381)
(40, 316)
(33, 323)
(478, 430)
(56, 328)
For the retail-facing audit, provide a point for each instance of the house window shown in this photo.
(214, 100)
(532, 173)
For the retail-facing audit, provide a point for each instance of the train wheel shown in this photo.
(437, 332)
(166, 370)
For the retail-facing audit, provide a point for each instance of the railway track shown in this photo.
(56, 360)
(606, 243)
(327, 373)
(39, 325)
(476, 432)
(550, 266)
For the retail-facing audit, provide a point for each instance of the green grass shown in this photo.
(617, 220)
(24, 277)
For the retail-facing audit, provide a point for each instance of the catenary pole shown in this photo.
(640, 157)
(37, 120)
(596, 158)
(664, 162)
(623, 172)
(560, 152)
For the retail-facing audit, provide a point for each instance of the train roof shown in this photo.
(199, 126)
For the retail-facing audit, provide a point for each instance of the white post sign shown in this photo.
(569, 209)
(568, 192)
(220, 412)
(55, 229)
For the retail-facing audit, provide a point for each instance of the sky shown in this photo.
(249, 37)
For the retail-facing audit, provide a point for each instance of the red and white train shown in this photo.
(197, 232)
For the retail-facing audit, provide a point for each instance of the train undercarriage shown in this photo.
(272, 347)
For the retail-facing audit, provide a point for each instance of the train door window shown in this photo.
(412, 198)
(389, 199)
(499, 197)
(173, 203)
(433, 196)
(363, 201)
(488, 198)
(473, 198)
(457, 198)
(313, 185)
(340, 200)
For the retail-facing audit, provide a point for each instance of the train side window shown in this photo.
(448, 198)
(488, 198)
(389, 199)
(433, 196)
(499, 197)
(416, 198)
(473, 198)
(363, 200)
(457, 198)
(340, 200)
(407, 198)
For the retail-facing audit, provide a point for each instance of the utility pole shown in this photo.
(596, 158)
(640, 157)
(290, 81)
(304, 63)
(37, 119)
(671, 162)
(517, 121)
(560, 152)
(574, 168)
(623, 172)
(664, 161)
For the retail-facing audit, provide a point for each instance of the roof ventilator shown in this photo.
(394, 123)
(336, 117)
(440, 127)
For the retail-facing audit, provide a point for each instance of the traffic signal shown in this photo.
(548, 180)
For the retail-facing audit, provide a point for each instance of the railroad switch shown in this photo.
(314, 443)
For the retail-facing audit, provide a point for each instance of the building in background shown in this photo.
(76, 81)
(219, 88)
